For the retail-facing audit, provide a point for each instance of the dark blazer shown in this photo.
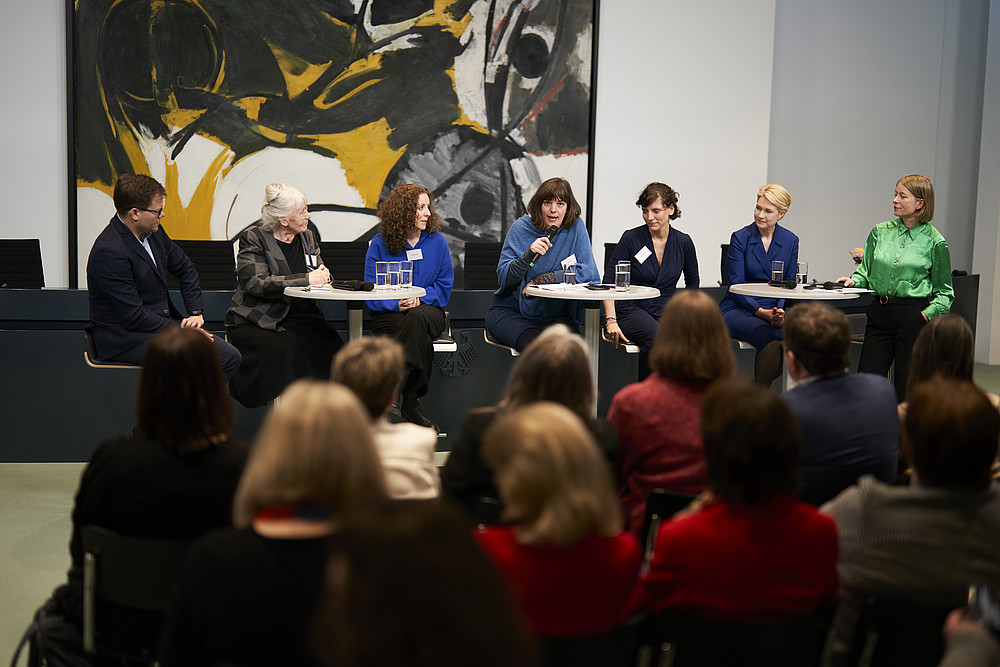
(129, 302)
(748, 263)
(678, 258)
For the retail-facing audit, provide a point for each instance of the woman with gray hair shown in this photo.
(281, 339)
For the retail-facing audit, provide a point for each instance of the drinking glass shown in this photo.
(777, 270)
(802, 273)
(623, 275)
(381, 276)
(406, 274)
(569, 274)
(394, 275)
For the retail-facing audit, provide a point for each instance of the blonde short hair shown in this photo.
(371, 367)
(315, 447)
(777, 195)
(552, 476)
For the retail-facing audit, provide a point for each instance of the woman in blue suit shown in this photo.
(751, 251)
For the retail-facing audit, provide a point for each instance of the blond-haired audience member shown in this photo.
(372, 368)
(244, 596)
(571, 566)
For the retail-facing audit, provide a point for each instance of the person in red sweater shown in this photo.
(659, 436)
(751, 552)
(565, 555)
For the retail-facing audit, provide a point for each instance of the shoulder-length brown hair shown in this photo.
(922, 188)
(398, 214)
(315, 447)
(182, 402)
(554, 188)
(945, 347)
(552, 477)
(692, 341)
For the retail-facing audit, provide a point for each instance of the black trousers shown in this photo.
(415, 329)
(889, 336)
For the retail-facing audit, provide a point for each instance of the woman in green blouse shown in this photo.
(908, 267)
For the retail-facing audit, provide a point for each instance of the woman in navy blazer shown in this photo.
(751, 250)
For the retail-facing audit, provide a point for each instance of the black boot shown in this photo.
(410, 411)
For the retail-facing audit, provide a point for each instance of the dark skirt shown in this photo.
(274, 359)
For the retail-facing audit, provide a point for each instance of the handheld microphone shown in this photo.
(353, 285)
(832, 285)
(553, 230)
(786, 284)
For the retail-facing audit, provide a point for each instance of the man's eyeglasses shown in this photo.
(157, 212)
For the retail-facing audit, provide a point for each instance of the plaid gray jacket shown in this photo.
(262, 274)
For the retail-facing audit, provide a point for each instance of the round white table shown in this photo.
(354, 300)
(764, 290)
(591, 302)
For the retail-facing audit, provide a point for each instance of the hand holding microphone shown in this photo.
(542, 244)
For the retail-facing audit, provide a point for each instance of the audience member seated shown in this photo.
(244, 596)
(172, 477)
(659, 429)
(281, 339)
(406, 584)
(848, 421)
(571, 566)
(752, 552)
(372, 367)
(968, 643)
(555, 367)
(926, 542)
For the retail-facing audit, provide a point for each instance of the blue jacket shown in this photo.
(433, 271)
(748, 263)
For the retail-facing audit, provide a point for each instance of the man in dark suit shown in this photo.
(849, 422)
(127, 279)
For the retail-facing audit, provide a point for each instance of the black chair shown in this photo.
(480, 266)
(725, 253)
(660, 505)
(135, 573)
(610, 649)
(345, 259)
(21, 264)
(214, 261)
(893, 632)
(609, 250)
(90, 356)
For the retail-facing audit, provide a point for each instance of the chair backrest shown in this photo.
(609, 250)
(130, 572)
(898, 632)
(660, 506)
(609, 649)
(214, 261)
(722, 264)
(345, 259)
(693, 640)
(21, 264)
(480, 268)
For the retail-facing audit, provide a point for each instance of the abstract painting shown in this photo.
(478, 100)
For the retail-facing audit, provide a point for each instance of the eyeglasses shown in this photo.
(157, 212)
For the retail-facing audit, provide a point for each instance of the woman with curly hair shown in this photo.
(409, 230)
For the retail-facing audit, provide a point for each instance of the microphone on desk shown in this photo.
(353, 285)
(553, 230)
(786, 284)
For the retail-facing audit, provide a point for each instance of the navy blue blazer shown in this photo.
(748, 263)
(129, 302)
(678, 257)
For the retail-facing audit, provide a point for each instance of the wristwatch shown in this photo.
(192, 313)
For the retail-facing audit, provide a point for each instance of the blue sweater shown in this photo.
(433, 271)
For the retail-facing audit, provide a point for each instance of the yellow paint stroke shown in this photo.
(365, 155)
(299, 74)
(193, 221)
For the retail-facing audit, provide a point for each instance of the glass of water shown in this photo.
(394, 275)
(623, 275)
(777, 270)
(569, 274)
(802, 273)
(381, 276)
(406, 274)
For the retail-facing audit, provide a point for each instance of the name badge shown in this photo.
(569, 261)
(415, 254)
(643, 254)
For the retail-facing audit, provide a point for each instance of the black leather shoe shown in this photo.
(411, 412)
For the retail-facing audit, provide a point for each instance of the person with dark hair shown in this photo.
(751, 552)
(281, 339)
(173, 476)
(658, 420)
(538, 247)
(752, 250)
(127, 279)
(555, 367)
(371, 367)
(848, 420)
(406, 584)
(927, 542)
(410, 230)
(658, 254)
(564, 552)
(244, 596)
(908, 266)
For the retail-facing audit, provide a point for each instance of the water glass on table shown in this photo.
(406, 274)
(623, 276)
(381, 276)
(394, 275)
(802, 273)
(569, 274)
(777, 270)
